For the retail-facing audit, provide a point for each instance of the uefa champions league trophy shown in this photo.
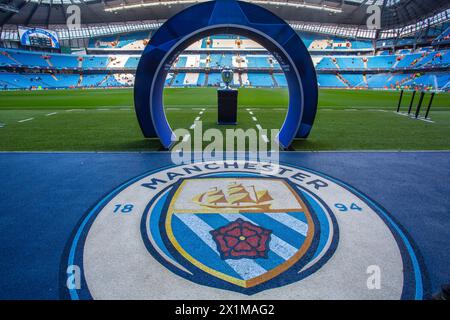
(227, 100)
(227, 77)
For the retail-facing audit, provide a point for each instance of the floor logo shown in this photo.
(213, 230)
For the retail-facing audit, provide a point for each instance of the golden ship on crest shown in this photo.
(235, 197)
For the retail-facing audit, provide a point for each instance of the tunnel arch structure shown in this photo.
(225, 17)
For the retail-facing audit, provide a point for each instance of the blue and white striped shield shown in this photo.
(243, 230)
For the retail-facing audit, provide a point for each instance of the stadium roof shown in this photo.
(395, 13)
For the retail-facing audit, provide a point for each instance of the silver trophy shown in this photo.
(227, 77)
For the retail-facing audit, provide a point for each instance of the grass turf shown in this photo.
(104, 120)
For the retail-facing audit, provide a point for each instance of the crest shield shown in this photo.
(242, 230)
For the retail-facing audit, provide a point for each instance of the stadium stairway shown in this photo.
(80, 80)
(345, 81)
(49, 62)
(274, 80)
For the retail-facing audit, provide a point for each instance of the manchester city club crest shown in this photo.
(232, 230)
(241, 233)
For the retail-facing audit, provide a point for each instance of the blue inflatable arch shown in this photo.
(225, 17)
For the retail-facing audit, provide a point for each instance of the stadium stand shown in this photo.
(95, 62)
(384, 69)
(63, 61)
(331, 81)
(260, 80)
(381, 62)
(350, 63)
(280, 79)
(355, 80)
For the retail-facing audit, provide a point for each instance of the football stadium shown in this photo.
(225, 150)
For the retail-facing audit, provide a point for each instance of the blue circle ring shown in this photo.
(225, 17)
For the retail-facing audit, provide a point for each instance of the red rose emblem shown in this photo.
(242, 239)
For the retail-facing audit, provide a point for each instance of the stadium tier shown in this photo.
(360, 67)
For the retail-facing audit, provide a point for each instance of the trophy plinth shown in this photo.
(227, 100)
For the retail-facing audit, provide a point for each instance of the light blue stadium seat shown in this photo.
(92, 80)
(181, 62)
(179, 80)
(132, 62)
(330, 80)
(214, 79)
(254, 61)
(64, 61)
(381, 62)
(350, 63)
(408, 60)
(5, 61)
(355, 80)
(260, 80)
(326, 63)
(95, 62)
(201, 79)
(29, 59)
(280, 79)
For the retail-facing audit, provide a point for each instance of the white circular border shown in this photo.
(117, 264)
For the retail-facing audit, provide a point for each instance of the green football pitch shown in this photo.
(104, 119)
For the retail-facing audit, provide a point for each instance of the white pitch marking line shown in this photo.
(70, 110)
(251, 112)
(192, 127)
(200, 113)
(350, 109)
(29, 119)
(2, 125)
(259, 127)
(51, 114)
(102, 109)
(264, 137)
(412, 116)
(186, 137)
(196, 119)
(254, 119)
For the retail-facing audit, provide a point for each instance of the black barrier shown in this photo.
(400, 101)
(429, 105)
(411, 103)
(422, 94)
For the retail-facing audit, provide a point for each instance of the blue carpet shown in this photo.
(44, 195)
